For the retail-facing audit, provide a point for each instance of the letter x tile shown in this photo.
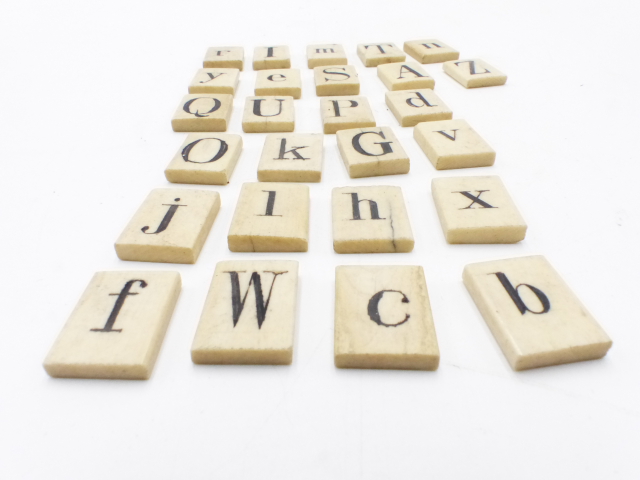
(373, 54)
(117, 327)
(370, 220)
(340, 113)
(203, 112)
(249, 315)
(411, 107)
(477, 210)
(291, 157)
(533, 315)
(370, 152)
(383, 319)
(268, 114)
(474, 73)
(170, 226)
(271, 217)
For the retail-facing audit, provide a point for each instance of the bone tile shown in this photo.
(291, 157)
(341, 113)
(224, 57)
(266, 114)
(336, 80)
(474, 73)
(279, 82)
(404, 76)
(411, 107)
(270, 57)
(203, 112)
(430, 51)
(328, 54)
(215, 80)
(374, 54)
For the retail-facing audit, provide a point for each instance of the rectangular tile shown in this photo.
(430, 51)
(203, 112)
(327, 54)
(215, 80)
(411, 107)
(249, 315)
(374, 54)
(474, 73)
(270, 57)
(266, 114)
(336, 80)
(341, 113)
(170, 226)
(224, 57)
(533, 315)
(383, 319)
(291, 157)
(405, 76)
(117, 327)
(284, 81)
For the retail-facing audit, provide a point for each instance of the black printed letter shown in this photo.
(122, 296)
(219, 154)
(355, 206)
(261, 305)
(386, 146)
(167, 218)
(374, 314)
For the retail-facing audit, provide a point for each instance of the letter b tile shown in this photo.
(249, 314)
(533, 315)
(383, 319)
(117, 327)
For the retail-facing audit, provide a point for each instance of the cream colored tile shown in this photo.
(224, 57)
(373, 54)
(383, 319)
(328, 54)
(477, 210)
(404, 76)
(291, 157)
(370, 220)
(370, 152)
(411, 107)
(205, 158)
(266, 114)
(453, 144)
(340, 113)
(279, 82)
(336, 80)
(430, 51)
(474, 73)
(203, 112)
(170, 226)
(271, 217)
(117, 327)
(215, 80)
(268, 58)
(533, 315)
(249, 315)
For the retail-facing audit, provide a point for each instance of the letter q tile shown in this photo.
(203, 112)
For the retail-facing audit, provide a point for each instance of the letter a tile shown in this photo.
(170, 226)
(370, 152)
(215, 80)
(374, 54)
(271, 217)
(430, 51)
(341, 113)
(291, 157)
(268, 114)
(533, 315)
(268, 58)
(117, 327)
(411, 107)
(474, 73)
(224, 57)
(249, 314)
(320, 55)
(404, 76)
(203, 112)
(453, 144)
(477, 210)
(370, 220)
(383, 319)
(205, 158)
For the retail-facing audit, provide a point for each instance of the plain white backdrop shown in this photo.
(87, 91)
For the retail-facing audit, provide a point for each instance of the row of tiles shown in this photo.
(172, 225)
(383, 318)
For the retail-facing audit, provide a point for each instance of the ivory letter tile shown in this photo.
(170, 226)
(373, 54)
(271, 217)
(383, 319)
(224, 57)
(215, 80)
(330, 54)
(477, 210)
(336, 80)
(117, 327)
(474, 73)
(430, 51)
(370, 152)
(411, 107)
(249, 314)
(205, 158)
(291, 157)
(341, 113)
(268, 58)
(203, 112)
(453, 144)
(404, 76)
(370, 220)
(268, 114)
(279, 82)
(533, 315)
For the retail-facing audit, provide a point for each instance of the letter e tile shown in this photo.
(117, 327)
(203, 112)
(268, 114)
(249, 314)
(341, 113)
(284, 81)
(477, 210)
(474, 73)
(411, 107)
(370, 220)
(533, 315)
(383, 319)
(271, 217)
(291, 157)
(170, 226)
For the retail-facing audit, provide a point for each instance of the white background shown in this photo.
(87, 91)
